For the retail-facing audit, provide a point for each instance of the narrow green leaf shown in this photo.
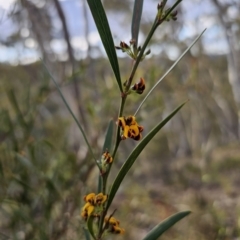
(137, 14)
(158, 230)
(15, 104)
(90, 226)
(52, 187)
(135, 153)
(169, 70)
(109, 135)
(86, 234)
(25, 162)
(71, 112)
(155, 25)
(102, 25)
(107, 145)
(24, 184)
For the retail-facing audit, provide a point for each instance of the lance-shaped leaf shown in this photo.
(137, 13)
(104, 31)
(135, 153)
(108, 139)
(90, 226)
(26, 163)
(107, 145)
(86, 234)
(158, 230)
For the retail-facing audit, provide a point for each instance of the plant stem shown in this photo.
(118, 140)
(155, 25)
(105, 176)
(168, 71)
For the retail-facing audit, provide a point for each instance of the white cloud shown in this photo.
(6, 4)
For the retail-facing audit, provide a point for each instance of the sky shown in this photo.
(5, 4)
(200, 17)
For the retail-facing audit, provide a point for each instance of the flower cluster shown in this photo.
(132, 50)
(113, 225)
(130, 128)
(94, 205)
(164, 14)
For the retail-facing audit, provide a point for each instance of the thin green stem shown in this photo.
(123, 100)
(164, 3)
(100, 229)
(105, 176)
(14, 102)
(156, 24)
(168, 71)
(118, 138)
(170, 10)
(26, 125)
(86, 233)
(71, 112)
(138, 60)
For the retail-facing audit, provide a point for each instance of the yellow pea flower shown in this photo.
(125, 132)
(113, 225)
(87, 210)
(100, 199)
(107, 157)
(130, 128)
(117, 230)
(90, 198)
(113, 221)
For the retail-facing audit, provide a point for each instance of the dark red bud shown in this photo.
(174, 13)
(123, 45)
(148, 52)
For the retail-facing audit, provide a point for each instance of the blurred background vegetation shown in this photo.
(193, 164)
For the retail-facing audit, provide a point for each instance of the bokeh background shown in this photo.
(192, 164)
